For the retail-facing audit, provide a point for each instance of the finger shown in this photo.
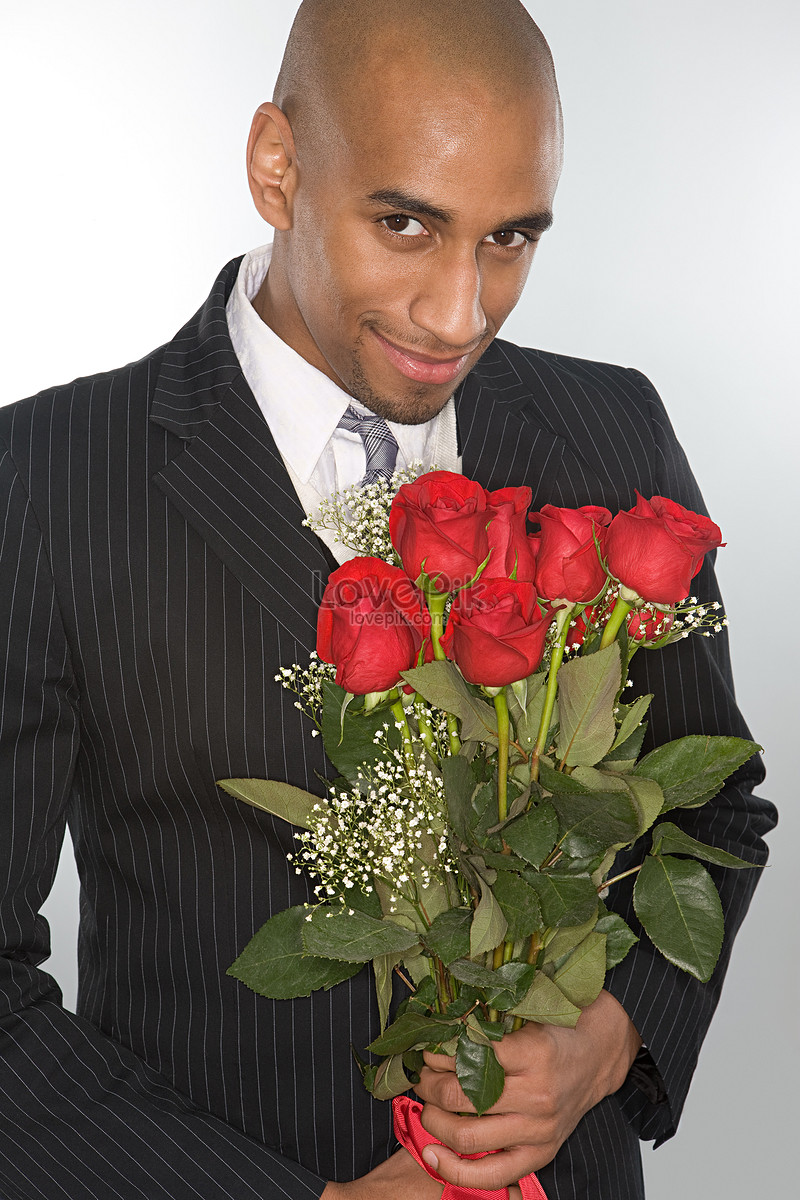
(493, 1172)
(475, 1135)
(439, 1062)
(442, 1089)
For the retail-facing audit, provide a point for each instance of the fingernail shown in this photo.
(430, 1158)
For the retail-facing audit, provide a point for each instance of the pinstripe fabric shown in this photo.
(155, 574)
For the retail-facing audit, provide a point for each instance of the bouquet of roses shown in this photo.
(468, 686)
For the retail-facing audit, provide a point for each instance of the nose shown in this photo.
(447, 304)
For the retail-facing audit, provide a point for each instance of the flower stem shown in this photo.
(618, 614)
(607, 883)
(436, 605)
(556, 658)
(408, 746)
(503, 726)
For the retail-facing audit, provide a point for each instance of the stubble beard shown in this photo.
(415, 407)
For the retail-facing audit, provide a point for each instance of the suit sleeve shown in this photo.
(694, 693)
(81, 1118)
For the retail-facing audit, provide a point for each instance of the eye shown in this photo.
(403, 225)
(512, 239)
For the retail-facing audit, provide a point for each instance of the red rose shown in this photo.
(567, 563)
(438, 524)
(496, 632)
(371, 624)
(513, 551)
(656, 548)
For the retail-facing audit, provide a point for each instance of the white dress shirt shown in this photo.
(303, 407)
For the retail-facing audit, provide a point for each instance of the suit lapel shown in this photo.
(501, 444)
(228, 479)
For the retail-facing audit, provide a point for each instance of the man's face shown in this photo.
(412, 238)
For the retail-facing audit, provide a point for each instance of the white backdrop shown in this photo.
(675, 250)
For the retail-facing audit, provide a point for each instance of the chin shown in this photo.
(414, 406)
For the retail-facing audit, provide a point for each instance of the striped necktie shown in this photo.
(380, 446)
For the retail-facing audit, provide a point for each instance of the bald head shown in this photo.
(342, 55)
(408, 165)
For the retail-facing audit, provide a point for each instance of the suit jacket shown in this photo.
(155, 575)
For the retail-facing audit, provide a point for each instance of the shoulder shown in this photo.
(39, 428)
(552, 379)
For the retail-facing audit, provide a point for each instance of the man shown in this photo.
(156, 574)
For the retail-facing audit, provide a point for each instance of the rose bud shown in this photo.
(567, 563)
(649, 625)
(371, 624)
(580, 626)
(496, 632)
(438, 525)
(657, 547)
(513, 551)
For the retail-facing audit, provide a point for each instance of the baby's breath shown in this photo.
(388, 827)
(358, 517)
(306, 683)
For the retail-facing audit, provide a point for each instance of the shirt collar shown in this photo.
(280, 378)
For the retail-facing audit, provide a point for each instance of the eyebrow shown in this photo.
(536, 222)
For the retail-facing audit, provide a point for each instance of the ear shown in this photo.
(271, 165)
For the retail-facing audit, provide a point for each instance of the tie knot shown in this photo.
(379, 442)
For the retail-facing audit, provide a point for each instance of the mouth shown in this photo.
(422, 368)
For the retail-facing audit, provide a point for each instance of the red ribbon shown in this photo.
(410, 1134)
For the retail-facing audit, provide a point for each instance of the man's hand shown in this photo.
(553, 1077)
(399, 1178)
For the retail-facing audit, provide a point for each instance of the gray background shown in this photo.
(674, 249)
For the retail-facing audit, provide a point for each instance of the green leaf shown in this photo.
(352, 936)
(669, 839)
(459, 786)
(412, 1030)
(564, 899)
(533, 835)
(624, 758)
(448, 935)
(619, 937)
(632, 717)
(281, 799)
(369, 904)
(596, 822)
(383, 967)
(443, 686)
(547, 1004)
(413, 1061)
(678, 905)
(587, 691)
(349, 735)
(275, 963)
(479, 1073)
(565, 939)
(582, 976)
(504, 987)
(488, 926)
(494, 1030)
(559, 781)
(692, 769)
(520, 905)
(434, 898)
(528, 719)
(645, 794)
(390, 1079)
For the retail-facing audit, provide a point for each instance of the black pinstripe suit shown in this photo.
(155, 574)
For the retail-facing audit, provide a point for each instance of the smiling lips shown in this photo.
(423, 368)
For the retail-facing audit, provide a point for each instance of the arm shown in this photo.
(81, 1118)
